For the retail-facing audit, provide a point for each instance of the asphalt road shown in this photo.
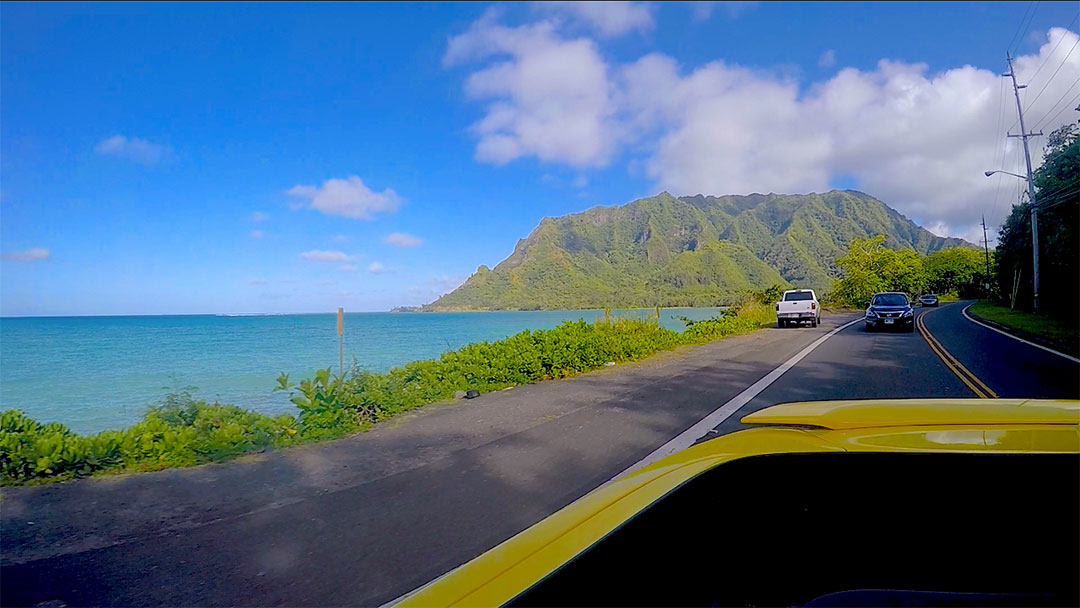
(1011, 368)
(363, 520)
(856, 364)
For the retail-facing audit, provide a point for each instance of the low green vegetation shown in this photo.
(182, 431)
(869, 267)
(1059, 331)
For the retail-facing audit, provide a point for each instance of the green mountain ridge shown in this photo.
(687, 251)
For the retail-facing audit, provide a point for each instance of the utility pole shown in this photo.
(1024, 135)
(986, 249)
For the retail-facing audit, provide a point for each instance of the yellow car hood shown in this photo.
(966, 425)
(880, 413)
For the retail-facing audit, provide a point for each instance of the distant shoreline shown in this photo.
(395, 310)
(398, 310)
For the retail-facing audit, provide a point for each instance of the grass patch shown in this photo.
(1061, 332)
(182, 431)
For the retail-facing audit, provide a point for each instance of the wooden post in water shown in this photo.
(341, 341)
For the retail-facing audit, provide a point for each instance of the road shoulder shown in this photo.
(94, 513)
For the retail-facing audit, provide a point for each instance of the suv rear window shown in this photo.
(798, 296)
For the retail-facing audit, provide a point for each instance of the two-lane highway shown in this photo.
(857, 364)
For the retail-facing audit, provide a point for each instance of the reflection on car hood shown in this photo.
(875, 413)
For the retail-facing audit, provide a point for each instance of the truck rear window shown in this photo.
(798, 296)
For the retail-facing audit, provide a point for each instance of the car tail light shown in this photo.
(778, 306)
(813, 306)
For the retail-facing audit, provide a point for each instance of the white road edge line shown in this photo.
(1018, 339)
(692, 434)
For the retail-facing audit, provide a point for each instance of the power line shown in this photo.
(1051, 53)
(1048, 80)
(1016, 39)
(1064, 197)
(1051, 79)
(1054, 193)
(1049, 120)
(1004, 144)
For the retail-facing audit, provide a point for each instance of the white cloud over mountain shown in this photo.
(917, 139)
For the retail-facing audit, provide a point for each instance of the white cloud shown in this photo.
(376, 268)
(608, 19)
(919, 140)
(340, 238)
(326, 256)
(703, 10)
(347, 268)
(446, 283)
(259, 216)
(436, 286)
(28, 255)
(549, 97)
(348, 197)
(724, 129)
(257, 234)
(827, 59)
(734, 8)
(401, 239)
(257, 282)
(136, 149)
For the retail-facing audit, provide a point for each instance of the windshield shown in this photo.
(453, 256)
(889, 299)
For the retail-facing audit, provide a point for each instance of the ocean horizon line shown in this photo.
(330, 312)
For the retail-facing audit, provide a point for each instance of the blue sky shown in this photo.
(197, 158)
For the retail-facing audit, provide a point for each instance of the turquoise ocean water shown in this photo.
(97, 373)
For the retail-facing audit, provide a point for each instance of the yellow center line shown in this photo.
(972, 381)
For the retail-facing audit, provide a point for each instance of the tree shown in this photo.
(869, 267)
(1058, 196)
(956, 269)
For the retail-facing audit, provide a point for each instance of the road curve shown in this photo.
(1011, 368)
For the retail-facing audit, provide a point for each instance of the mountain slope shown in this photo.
(696, 250)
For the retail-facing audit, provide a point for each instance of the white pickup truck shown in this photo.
(796, 306)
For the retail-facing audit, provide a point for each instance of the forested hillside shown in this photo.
(688, 251)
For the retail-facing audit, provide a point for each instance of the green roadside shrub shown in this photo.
(182, 431)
